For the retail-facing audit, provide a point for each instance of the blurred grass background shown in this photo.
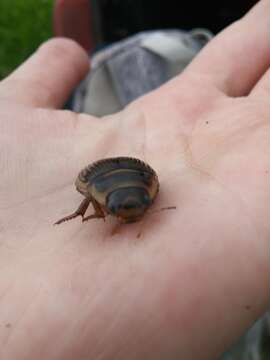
(24, 25)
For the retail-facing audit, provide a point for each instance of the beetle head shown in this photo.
(128, 204)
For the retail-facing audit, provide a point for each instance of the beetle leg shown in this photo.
(98, 214)
(79, 212)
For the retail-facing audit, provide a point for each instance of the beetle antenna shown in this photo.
(162, 209)
(155, 211)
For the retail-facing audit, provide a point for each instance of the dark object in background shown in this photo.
(94, 23)
(122, 18)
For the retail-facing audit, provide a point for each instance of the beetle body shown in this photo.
(123, 187)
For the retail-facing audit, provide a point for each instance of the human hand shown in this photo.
(198, 275)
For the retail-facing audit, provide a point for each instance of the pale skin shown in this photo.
(198, 276)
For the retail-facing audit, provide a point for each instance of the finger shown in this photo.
(47, 78)
(263, 85)
(236, 58)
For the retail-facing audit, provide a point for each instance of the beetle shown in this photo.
(124, 187)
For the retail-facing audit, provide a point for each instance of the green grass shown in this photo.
(24, 25)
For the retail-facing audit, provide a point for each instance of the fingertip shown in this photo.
(48, 77)
(60, 47)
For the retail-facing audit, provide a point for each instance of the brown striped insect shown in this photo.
(123, 187)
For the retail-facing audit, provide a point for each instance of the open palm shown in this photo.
(198, 275)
